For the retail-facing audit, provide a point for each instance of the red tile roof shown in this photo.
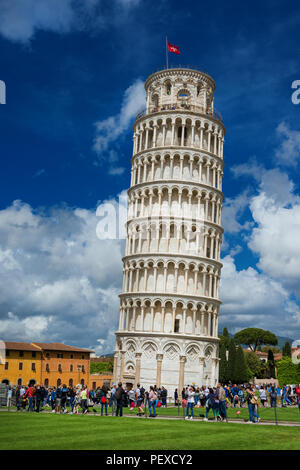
(61, 347)
(16, 346)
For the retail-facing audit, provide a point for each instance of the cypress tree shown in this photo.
(240, 369)
(231, 361)
(286, 350)
(271, 363)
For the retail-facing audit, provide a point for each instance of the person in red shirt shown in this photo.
(30, 392)
(298, 395)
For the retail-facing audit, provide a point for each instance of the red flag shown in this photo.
(172, 48)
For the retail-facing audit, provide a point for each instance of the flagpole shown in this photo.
(167, 52)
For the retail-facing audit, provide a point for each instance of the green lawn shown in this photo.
(51, 431)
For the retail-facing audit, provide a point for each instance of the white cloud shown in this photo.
(60, 281)
(112, 128)
(21, 19)
(288, 152)
(233, 208)
(254, 299)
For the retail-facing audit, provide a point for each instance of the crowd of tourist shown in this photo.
(63, 399)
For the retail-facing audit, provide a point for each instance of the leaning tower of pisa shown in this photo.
(169, 305)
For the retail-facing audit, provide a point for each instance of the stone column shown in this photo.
(115, 374)
(159, 358)
(122, 364)
(137, 368)
(182, 360)
(201, 371)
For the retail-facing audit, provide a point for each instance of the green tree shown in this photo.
(254, 337)
(231, 361)
(100, 367)
(287, 350)
(240, 366)
(271, 364)
(254, 364)
(288, 372)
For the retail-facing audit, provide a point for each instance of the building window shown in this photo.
(59, 368)
(34, 354)
(7, 353)
(20, 365)
(46, 382)
(19, 382)
(47, 368)
(82, 368)
(6, 366)
(71, 383)
(176, 327)
(71, 368)
(94, 385)
(82, 381)
(47, 355)
(33, 366)
(82, 356)
(58, 383)
(72, 356)
(60, 355)
(21, 354)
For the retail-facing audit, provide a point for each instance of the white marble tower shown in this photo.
(168, 330)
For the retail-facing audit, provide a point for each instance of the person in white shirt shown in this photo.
(9, 397)
(190, 402)
(263, 395)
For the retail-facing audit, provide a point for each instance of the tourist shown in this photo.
(263, 395)
(152, 402)
(84, 399)
(18, 399)
(71, 396)
(53, 399)
(251, 400)
(241, 397)
(77, 400)
(9, 397)
(140, 399)
(210, 401)
(202, 397)
(216, 405)
(113, 391)
(222, 402)
(58, 399)
(132, 400)
(119, 397)
(30, 394)
(64, 395)
(297, 390)
(190, 403)
(164, 394)
(39, 398)
(176, 397)
(103, 399)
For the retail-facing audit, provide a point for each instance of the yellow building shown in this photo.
(49, 364)
(22, 364)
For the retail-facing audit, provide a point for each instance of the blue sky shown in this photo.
(74, 72)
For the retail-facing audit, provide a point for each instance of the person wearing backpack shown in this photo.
(103, 400)
(210, 403)
(251, 400)
(152, 402)
(58, 399)
(119, 396)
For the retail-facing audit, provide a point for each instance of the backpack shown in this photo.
(103, 399)
(118, 393)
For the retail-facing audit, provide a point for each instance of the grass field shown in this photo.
(50, 431)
